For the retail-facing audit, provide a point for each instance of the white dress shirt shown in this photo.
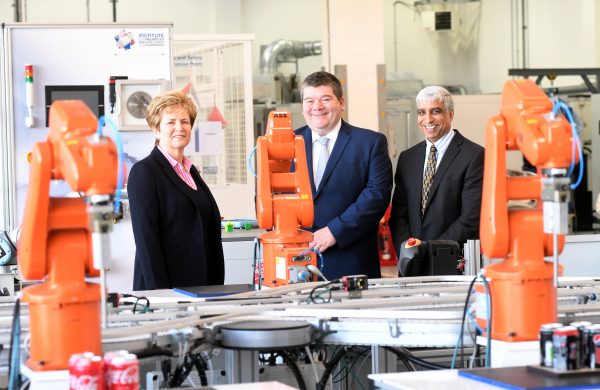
(332, 135)
(441, 146)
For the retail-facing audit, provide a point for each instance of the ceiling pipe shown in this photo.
(285, 50)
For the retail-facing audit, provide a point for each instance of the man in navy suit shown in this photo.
(450, 209)
(353, 191)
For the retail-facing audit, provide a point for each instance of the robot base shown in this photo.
(509, 354)
(46, 380)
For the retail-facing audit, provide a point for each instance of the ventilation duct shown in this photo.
(283, 50)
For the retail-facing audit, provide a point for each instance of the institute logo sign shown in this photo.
(124, 40)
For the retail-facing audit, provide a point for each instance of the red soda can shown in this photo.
(125, 372)
(86, 372)
(108, 357)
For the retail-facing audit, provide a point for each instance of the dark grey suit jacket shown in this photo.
(177, 230)
(453, 209)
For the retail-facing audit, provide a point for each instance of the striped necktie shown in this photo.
(428, 177)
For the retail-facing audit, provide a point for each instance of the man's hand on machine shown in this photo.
(322, 239)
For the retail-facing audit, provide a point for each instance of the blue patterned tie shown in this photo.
(322, 161)
(428, 177)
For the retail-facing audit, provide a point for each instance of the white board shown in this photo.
(86, 54)
(79, 55)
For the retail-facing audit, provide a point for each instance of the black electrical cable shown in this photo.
(190, 364)
(323, 355)
(360, 352)
(406, 351)
(153, 351)
(262, 359)
(415, 360)
(181, 372)
(365, 354)
(462, 324)
(329, 367)
(137, 302)
(405, 361)
(201, 367)
(354, 353)
(477, 356)
(14, 368)
(165, 367)
(311, 297)
(488, 348)
(146, 306)
(176, 378)
(256, 270)
(294, 367)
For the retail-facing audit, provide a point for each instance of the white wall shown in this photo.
(562, 33)
(361, 50)
(188, 16)
(434, 57)
(494, 57)
(6, 11)
(268, 20)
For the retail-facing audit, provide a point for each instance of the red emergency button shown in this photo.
(412, 242)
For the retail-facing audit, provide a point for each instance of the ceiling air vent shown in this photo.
(443, 21)
(438, 21)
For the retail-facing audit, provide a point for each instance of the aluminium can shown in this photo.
(581, 326)
(547, 343)
(592, 339)
(86, 372)
(125, 372)
(108, 357)
(587, 344)
(566, 348)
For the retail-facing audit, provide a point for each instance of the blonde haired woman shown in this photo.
(176, 221)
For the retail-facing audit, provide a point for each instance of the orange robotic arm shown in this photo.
(521, 286)
(57, 235)
(283, 201)
(68, 155)
(276, 184)
(523, 124)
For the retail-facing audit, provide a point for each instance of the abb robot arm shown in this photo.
(521, 286)
(66, 239)
(283, 201)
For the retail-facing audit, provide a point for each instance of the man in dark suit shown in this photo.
(351, 176)
(438, 192)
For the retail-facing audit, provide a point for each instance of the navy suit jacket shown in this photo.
(177, 230)
(454, 204)
(354, 194)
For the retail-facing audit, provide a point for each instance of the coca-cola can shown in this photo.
(86, 372)
(108, 357)
(125, 372)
